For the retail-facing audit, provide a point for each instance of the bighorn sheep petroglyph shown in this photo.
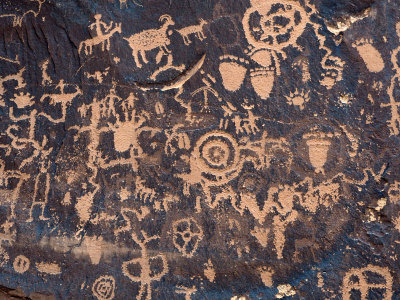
(194, 29)
(150, 39)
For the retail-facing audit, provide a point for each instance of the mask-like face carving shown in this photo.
(274, 25)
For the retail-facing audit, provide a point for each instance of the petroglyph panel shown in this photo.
(199, 149)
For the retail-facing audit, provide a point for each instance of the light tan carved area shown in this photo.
(102, 35)
(358, 280)
(103, 288)
(221, 151)
(371, 56)
(393, 123)
(267, 48)
(18, 16)
(48, 268)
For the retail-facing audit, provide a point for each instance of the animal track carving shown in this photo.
(371, 56)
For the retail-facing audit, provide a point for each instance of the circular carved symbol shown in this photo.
(187, 235)
(103, 288)
(274, 25)
(21, 264)
(217, 155)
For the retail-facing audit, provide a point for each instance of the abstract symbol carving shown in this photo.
(21, 264)
(104, 287)
(279, 24)
(187, 235)
(216, 154)
(394, 105)
(361, 280)
(147, 267)
(318, 146)
(271, 27)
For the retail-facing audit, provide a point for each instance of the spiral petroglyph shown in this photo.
(193, 149)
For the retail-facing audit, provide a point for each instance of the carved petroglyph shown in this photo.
(269, 29)
(98, 75)
(394, 122)
(35, 10)
(5, 176)
(104, 163)
(21, 264)
(187, 291)
(48, 268)
(209, 271)
(233, 71)
(318, 146)
(196, 30)
(266, 274)
(371, 56)
(46, 79)
(63, 98)
(361, 281)
(146, 276)
(148, 267)
(150, 39)
(4, 257)
(104, 288)
(285, 290)
(298, 98)
(187, 236)
(217, 154)
(103, 33)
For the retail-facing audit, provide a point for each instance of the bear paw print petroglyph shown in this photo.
(233, 71)
(23, 99)
(270, 28)
(298, 98)
(371, 56)
(262, 80)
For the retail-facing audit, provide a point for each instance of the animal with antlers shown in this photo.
(150, 39)
(197, 30)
